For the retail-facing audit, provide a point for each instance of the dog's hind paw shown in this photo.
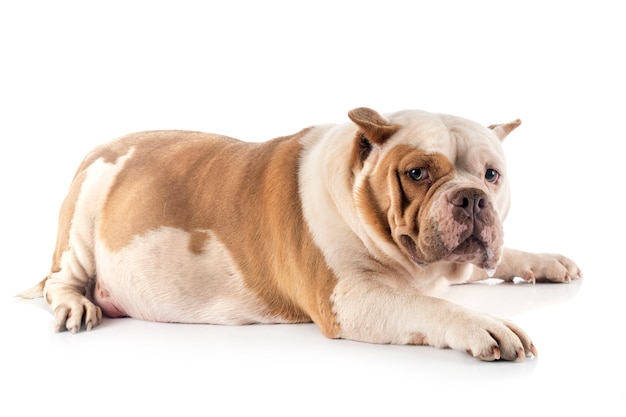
(75, 313)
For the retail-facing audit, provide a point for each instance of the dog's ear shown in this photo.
(504, 129)
(373, 127)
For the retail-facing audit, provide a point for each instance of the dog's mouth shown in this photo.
(471, 250)
(475, 251)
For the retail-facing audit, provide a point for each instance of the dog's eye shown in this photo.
(418, 174)
(491, 175)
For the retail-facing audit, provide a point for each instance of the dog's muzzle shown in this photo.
(462, 226)
(475, 232)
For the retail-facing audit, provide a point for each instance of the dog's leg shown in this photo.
(66, 288)
(73, 269)
(74, 259)
(73, 262)
(533, 267)
(370, 311)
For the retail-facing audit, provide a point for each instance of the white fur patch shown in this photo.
(157, 277)
(78, 263)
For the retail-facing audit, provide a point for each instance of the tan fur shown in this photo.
(265, 173)
(503, 129)
(329, 225)
(65, 218)
(375, 127)
(392, 191)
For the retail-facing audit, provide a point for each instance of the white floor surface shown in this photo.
(136, 367)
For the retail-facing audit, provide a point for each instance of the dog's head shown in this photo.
(433, 185)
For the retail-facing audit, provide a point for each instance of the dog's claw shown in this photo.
(493, 355)
(530, 276)
(496, 353)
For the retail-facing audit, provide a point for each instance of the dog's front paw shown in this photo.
(538, 267)
(550, 267)
(75, 311)
(489, 338)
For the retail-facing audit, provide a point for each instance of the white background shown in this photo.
(75, 74)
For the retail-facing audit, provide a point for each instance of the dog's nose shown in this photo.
(469, 202)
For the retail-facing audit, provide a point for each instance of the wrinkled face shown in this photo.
(435, 186)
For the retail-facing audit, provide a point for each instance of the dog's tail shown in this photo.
(33, 292)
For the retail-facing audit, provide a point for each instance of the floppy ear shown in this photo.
(372, 125)
(373, 131)
(504, 129)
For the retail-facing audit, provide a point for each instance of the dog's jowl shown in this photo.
(355, 227)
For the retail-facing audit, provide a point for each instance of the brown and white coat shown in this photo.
(355, 227)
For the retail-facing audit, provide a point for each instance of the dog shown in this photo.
(356, 227)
